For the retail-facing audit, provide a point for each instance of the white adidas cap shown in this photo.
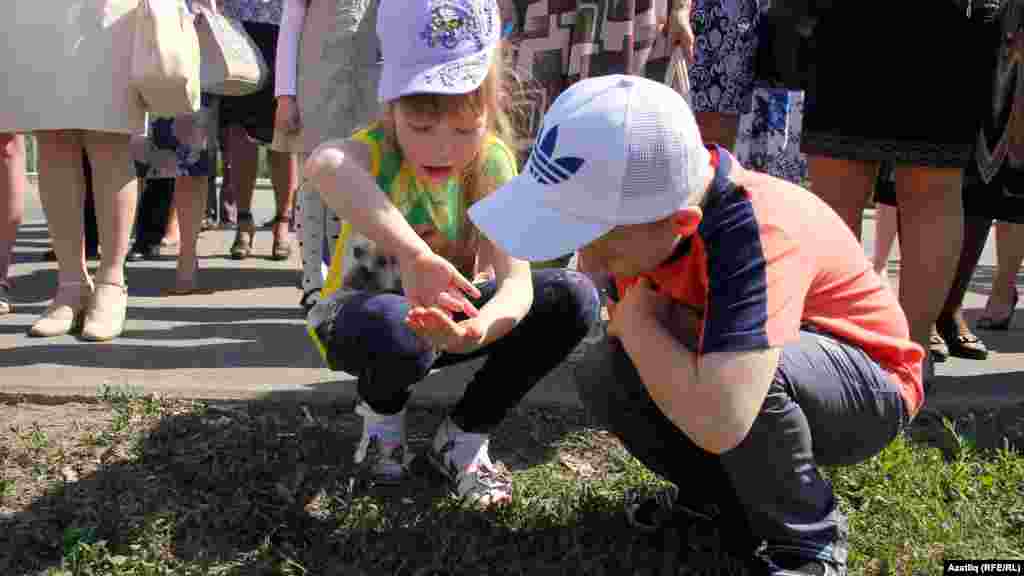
(612, 151)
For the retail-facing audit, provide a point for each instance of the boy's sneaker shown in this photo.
(382, 448)
(462, 457)
(795, 566)
(650, 513)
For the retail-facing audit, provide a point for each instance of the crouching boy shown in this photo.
(752, 342)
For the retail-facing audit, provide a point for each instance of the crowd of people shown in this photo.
(443, 145)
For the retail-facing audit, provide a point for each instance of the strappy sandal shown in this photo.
(244, 237)
(5, 298)
(963, 343)
(282, 247)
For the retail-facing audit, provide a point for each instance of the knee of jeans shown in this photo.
(570, 293)
(370, 330)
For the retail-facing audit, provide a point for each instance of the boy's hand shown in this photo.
(436, 327)
(286, 117)
(639, 304)
(642, 304)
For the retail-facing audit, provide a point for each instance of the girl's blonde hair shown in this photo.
(494, 96)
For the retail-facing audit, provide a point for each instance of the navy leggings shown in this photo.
(372, 342)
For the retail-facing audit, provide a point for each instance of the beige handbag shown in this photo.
(677, 75)
(232, 63)
(165, 58)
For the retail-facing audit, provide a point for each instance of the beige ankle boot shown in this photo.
(64, 314)
(105, 316)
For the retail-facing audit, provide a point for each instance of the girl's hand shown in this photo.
(287, 118)
(436, 327)
(430, 281)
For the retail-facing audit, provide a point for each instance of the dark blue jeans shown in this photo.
(371, 341)
(829, 404)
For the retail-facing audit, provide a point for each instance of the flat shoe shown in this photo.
(105, 317)
(64, 314)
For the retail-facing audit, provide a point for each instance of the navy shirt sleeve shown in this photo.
(736, 314)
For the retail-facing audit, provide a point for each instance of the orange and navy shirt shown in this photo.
(768, 258)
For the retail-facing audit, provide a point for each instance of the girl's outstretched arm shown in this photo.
(340, 171)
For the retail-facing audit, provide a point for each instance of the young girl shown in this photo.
(405, 183)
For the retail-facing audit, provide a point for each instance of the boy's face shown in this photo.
(632, 250)
(439, 147)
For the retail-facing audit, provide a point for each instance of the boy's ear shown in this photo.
(686, 220)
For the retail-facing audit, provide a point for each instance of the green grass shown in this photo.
(185, 488)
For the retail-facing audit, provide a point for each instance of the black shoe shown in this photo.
(139, 254)
(796, 566)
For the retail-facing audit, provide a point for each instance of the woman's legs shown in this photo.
(931, 207)
(845, 185)
(718, 128)
(116, 187)
(12, 205)
(951, 325)
(1009, 254)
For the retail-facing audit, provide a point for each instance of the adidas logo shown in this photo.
(549, 170)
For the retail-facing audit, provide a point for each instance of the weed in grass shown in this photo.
(8, 488)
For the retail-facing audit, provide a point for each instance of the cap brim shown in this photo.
(515, 218)
(457, 76)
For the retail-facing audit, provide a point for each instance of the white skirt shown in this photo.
(67, 64)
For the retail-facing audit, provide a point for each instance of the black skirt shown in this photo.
(897, 81)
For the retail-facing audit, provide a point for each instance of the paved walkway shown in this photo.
(247, 340)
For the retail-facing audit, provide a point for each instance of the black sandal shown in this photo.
(964, 344)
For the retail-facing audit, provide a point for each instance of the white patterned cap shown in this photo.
(436, 46)
(612, 151)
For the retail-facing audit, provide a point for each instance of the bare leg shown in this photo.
(951, 324)
(172, 233)
(931, 208)
(718, 128)
(190, 203)
(244, 166)
(244, 159)
(844, 185)
(62, 192)
(885, 237)
(12, 197)
(116, 189)
(1010, 254)
(284, 171)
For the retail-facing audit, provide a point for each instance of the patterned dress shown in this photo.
(262, 11)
